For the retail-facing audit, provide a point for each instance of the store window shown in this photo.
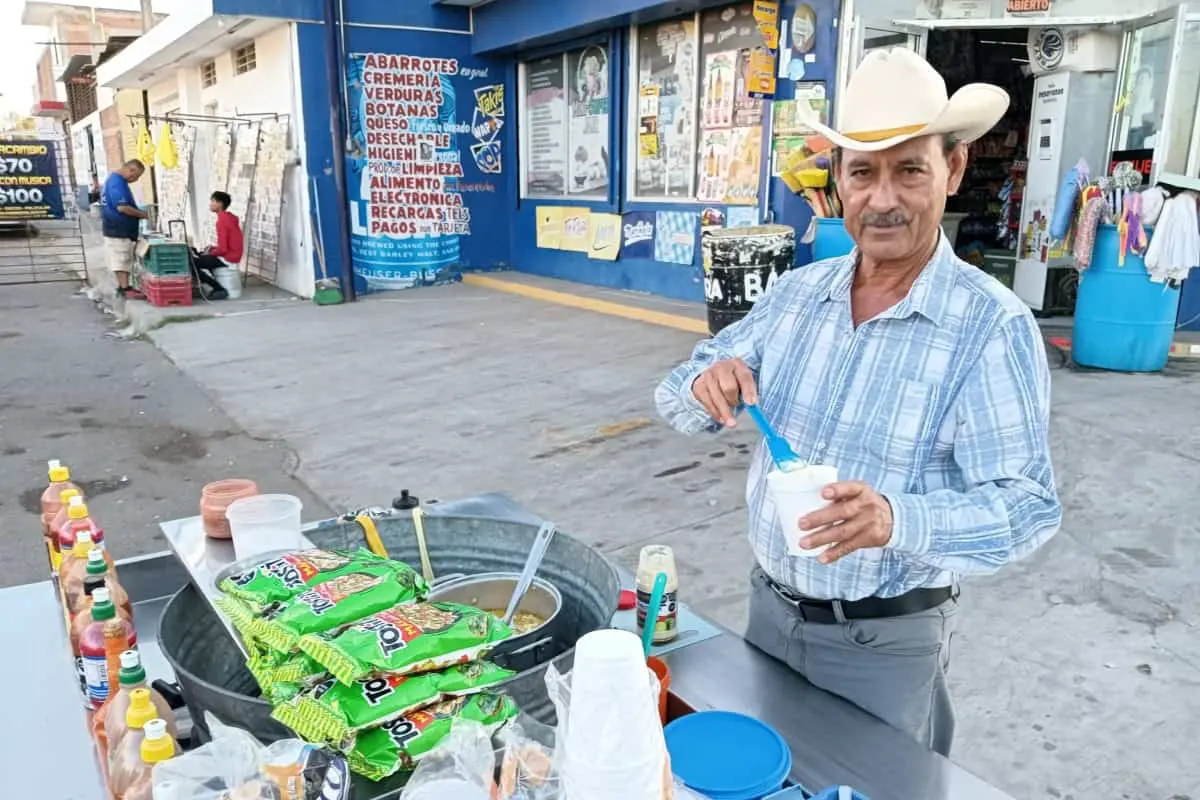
(564, 124)
(1183, 151)
(1143, 96)
(698, 136)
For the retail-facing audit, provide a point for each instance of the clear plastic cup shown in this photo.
(265, 523)
(796, 494)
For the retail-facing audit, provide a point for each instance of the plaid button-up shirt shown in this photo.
(941, 404)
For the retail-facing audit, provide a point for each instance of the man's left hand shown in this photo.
(857, 517)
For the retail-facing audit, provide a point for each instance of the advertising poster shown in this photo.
(741, 171)
(589, 121)
(741, 217)
(549, 227)
(575, 230)
(747, 110)
(667, 88)
(720, 70)
(714, 163)
(29, 181)
(604, 234)
(419, 127)
(637, 234)
(675, 237)
(545, 120)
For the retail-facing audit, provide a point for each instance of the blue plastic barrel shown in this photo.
(1123, 321)
(1189, 302)
(831, 240)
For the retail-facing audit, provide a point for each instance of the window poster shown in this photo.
(405, 171)
(589, 106)
(545, 127)
(730, 118)
(666, 110)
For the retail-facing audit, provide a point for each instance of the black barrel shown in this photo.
(740, 265)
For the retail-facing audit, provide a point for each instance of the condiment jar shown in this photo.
(216, 497)
(656, 558)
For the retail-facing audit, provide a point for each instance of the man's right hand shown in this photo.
(722, 386)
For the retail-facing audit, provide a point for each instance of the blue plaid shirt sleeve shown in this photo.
(743, 339)
(1002, 447)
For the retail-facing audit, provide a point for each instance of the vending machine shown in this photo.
(1069, 122)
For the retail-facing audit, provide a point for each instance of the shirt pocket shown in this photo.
(903, 424)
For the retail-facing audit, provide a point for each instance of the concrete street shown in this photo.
(1075, 673)
(141, 437)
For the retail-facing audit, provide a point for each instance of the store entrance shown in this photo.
(983, 219)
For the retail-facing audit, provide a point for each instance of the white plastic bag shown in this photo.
(461, 767)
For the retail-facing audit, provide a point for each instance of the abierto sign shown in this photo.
(1027, 7)
(29, 181)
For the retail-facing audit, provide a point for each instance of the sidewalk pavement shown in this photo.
(1075, 672)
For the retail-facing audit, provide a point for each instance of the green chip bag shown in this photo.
(335, 603)
(418, 637)
(282, 676)
(335, 713)
(399, 744)
(283, 577)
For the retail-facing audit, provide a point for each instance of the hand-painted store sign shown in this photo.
(413, 147)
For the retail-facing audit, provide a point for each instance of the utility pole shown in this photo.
(147, 24)
(147, 15)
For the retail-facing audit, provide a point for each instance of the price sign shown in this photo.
(29, 181)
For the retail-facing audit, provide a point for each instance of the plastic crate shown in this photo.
(167, 259)
(168, 291)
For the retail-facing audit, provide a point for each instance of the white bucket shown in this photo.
(230, 280)
(265, 523)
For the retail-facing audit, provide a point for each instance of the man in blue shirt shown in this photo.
(120, 218)
(920, 378)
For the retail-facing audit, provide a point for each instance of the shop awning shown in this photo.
(191, 35)
(77, 70)
(1017, 22)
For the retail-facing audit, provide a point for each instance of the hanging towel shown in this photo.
(1094, 212)
(1175, 247)
(168, 158)
(1152, 205)
(145, 144)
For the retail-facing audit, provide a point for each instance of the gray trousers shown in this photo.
(893, 668)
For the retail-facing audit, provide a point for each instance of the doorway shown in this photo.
(982, 221)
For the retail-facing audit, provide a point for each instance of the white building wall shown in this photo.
(269, 88)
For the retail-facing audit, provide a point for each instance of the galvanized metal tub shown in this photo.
(471, 540)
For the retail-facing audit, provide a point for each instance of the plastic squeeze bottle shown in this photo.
(101, 645)
(60, 478)
(74, 570)
(77, 521)
(98, 572)
(125, 759)
(112, 718)
(653, 559)
(60, 518)
(157, 746)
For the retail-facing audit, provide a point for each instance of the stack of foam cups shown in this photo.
(614, 746)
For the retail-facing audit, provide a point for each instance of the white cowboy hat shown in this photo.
(895, 95)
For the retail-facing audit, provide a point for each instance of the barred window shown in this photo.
(244, 59)
(208, 74)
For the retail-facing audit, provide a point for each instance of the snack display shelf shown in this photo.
(45, 727)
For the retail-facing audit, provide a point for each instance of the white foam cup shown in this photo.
(796, 494)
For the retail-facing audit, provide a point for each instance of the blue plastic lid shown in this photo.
(727, 755)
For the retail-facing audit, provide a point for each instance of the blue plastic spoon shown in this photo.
(656, 598)
(781, 452)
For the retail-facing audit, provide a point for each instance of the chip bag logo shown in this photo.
(392, 631)
(402, 731)
(376, 690)
(316, 601)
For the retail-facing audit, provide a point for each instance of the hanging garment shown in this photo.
(168, 158)
(145, 144)
(1095, 211)
(1130, 233)
(1152, 205)
(1175, 247)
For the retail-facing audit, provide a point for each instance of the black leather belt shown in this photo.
(825, 612)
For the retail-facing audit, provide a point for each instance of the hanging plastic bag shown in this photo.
(145, 143)
(168, 157)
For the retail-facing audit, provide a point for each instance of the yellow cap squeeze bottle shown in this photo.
(158, 744)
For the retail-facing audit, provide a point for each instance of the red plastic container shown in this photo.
(167, 291)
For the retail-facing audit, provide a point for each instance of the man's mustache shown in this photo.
(890, 219)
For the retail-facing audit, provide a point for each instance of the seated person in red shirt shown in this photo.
(227, 252)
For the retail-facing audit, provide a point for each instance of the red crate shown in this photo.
(167, 291)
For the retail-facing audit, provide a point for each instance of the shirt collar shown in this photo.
(929, 295)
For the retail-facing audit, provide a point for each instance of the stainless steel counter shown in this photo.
(43, 727)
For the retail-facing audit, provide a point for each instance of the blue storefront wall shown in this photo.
(487, 193)
(509, 26)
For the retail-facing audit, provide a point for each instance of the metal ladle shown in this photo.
(541, 543)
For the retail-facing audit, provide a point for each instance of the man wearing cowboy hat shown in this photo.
(916, 375)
